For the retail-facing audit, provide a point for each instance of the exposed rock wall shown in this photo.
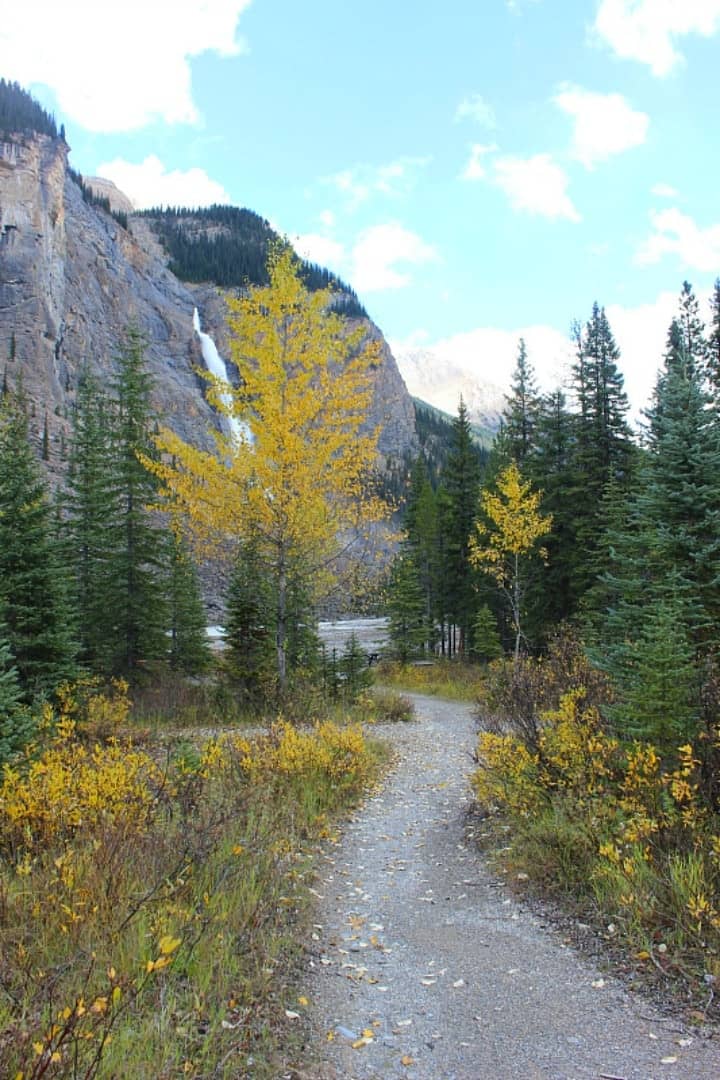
(72, 279)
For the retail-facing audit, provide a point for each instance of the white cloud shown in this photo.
(479, 363)
(537, 185)
(676, 233)
(378, 250)
(604, 124)
(477, 109)
(321, 249)
(641, 335)
(327, 218)
(645, 30)
(475, 169)
(122, 74)
(149, 184)
(665, 191)
(361, 182)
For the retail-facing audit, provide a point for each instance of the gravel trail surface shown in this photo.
(425, 967)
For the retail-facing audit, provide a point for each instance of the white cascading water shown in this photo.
(216, 366)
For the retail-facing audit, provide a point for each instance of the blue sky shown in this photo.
(477, 169)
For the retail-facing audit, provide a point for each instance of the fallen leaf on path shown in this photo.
(292, 1015)
(407, 1060)
(670, 1060)
(598, 984)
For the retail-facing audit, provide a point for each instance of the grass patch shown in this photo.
(390, 707)
(152, 902)
(441, 678)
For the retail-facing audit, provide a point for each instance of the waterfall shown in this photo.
(216, 366)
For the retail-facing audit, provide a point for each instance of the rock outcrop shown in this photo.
(72, 279)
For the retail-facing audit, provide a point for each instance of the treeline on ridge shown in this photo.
(19, 112)
(229, 246)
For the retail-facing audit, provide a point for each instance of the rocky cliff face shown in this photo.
(72, 279)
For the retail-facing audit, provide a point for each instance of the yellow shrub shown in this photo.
(507, 774)
(70, 787)
(575, 753)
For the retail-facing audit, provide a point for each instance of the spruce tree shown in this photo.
(461, 485)
(91, 511)
(520, 415)
(249, 625)
(603, 449)
(354, 670)
(681, 500)
(422, 531)
(16, 721)
(33, 594)
(189, 649)
(550, 594)
(134, 587)
(659, 701)
(407, 626)
(713, 347)
(486, 640)
(692, 331)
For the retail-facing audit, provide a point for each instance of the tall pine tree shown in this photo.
(33, 593)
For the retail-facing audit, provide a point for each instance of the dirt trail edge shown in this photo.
(424, 967)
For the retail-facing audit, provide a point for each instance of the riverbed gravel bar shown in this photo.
(423, 965)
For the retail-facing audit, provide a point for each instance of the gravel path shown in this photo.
(425, 968)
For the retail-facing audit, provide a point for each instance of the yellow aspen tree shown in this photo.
(515, 525)
(295, 481)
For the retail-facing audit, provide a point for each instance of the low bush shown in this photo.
(390, 707)
(614, 824)
(150, 901)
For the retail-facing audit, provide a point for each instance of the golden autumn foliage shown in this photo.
(613, 822)
(515, 525)
(148, 898)
(297, 480)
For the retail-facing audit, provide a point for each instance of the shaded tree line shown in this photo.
(92, 580)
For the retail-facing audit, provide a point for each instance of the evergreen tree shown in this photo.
(603, 449)
(189, 648)
(354, 670)
(461, 489)
(16, 722)
(550, 595)
(713, 349)
(691, 328)
(486, 640)
(656, 679)
(681, 500)
(422, 530)
(90, 512)
(134, 587)
(33, 595)
(249, 627)
(521, 412)
(407, 627)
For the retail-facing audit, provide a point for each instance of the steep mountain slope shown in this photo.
(72, 278)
